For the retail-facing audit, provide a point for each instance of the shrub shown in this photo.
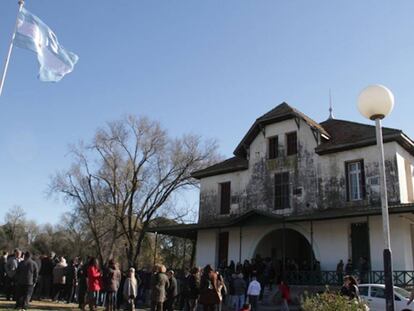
(329, 301)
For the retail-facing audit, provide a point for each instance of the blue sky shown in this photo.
(207, 67)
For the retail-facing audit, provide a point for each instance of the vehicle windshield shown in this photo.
(402, 292)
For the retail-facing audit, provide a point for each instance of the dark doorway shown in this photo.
(284, 246)
(223, 249)
(360, 243)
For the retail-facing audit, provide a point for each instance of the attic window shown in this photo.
(355, 180)
(291, 143)
(272, 147)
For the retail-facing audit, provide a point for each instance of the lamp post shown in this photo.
(375, 103)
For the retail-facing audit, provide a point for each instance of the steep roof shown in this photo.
(345, 135)
(277, 114)
(230, 165)
(337, 135)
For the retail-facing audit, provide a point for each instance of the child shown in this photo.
(130, 289)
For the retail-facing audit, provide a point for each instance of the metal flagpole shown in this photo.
(6, 62)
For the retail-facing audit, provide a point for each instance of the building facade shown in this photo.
(306, 191)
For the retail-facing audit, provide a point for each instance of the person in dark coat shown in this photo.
(340, 271)
(349, 268)
(71, 280)
(26, 278)
(184, 289)
(3, 261)
(112, 280)
(82, 284)
(46, 277)
(38, 260)
(11, 268)
(193, 290)
(159, 284)
(171, 292)
(239, 287)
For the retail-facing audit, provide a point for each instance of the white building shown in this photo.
(308, 191)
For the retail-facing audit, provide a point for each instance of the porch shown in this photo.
(332, 278)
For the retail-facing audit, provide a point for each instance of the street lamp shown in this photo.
(375, 102)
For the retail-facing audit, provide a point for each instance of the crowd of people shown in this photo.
(24, 276)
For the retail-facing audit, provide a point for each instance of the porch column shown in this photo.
(240, 243)
(193, 252)
(311, 238)
(184, 251)
(155, 247)
(284, 249)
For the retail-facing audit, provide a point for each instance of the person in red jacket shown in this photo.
(285, 293)
(94, 276)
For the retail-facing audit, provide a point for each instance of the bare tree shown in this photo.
(14, 227)
(120, 181)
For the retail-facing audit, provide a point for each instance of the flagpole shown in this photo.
(6, 62)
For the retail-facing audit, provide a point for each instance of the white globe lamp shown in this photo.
(375, 102)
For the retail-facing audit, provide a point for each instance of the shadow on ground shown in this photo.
(39, 305)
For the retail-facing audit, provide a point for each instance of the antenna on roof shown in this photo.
(331, 116)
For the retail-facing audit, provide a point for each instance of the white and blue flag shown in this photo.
(32, 34)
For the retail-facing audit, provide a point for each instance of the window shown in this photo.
(291, 143)
(355, 180)
(223, 249)
(363, 290)
(273, 144)
(282, 191)
(377, 292)
(225, 189)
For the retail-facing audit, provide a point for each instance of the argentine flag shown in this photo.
(32, 34)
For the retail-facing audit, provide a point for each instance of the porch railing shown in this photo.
(401, 278)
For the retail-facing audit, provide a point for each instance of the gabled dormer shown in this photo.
(280, 113)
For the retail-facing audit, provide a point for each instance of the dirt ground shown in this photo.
(40, 305)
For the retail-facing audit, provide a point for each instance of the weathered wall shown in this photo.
(331, 241)
(401, 244)
(405, 162)
(333, 180)
(254, 188)
(316, 182)
(206, 252)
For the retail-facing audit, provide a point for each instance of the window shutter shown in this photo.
(292, 143)
(347, 181)
(225, 198)
(273, 147)
(362, 180)
(285, 191)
